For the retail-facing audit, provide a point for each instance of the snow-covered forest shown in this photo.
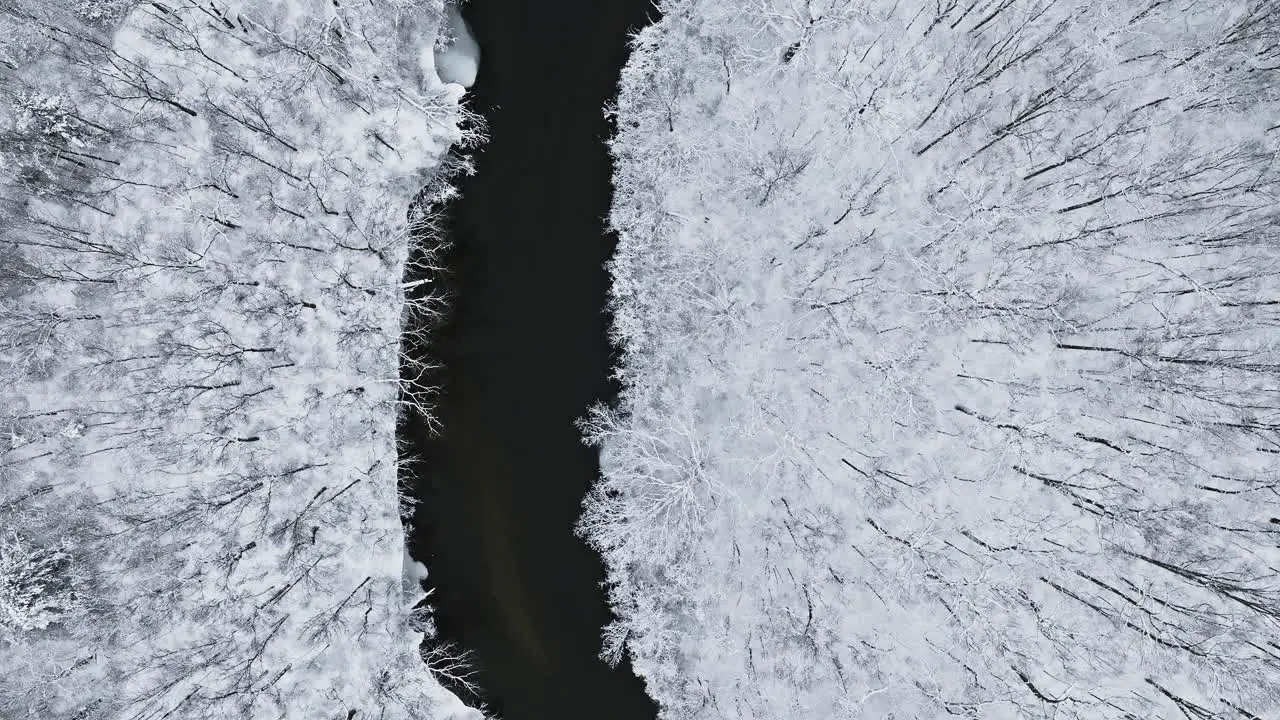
(950, 339)
(204, 229)
(952, 386)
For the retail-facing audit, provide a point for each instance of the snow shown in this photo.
(414, 571)
(199, 361)
(457, 59)
(950, 343)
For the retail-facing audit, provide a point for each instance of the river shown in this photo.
(523, 353)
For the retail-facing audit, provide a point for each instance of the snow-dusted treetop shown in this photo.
(952, 367)
(36, 586)
(204, 229)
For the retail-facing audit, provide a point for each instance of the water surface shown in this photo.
(524, 354)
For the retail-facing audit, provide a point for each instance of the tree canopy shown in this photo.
(951, 373)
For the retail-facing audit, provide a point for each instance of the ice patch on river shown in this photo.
(414, 572)
(456, 56)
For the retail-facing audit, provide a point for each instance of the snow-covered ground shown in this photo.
(456, 56)
(952, 378)
(206, 226)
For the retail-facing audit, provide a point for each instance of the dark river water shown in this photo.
(523, 353)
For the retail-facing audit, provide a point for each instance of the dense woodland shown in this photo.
(951, 365)
(950, 355)
(205, 219)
